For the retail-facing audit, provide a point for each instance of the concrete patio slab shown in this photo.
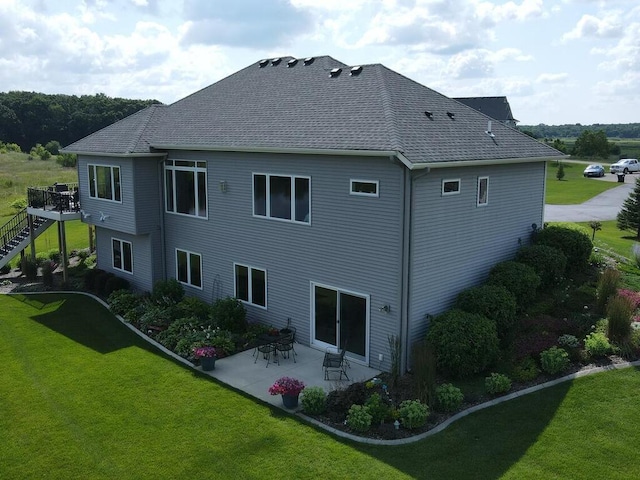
(240, 371)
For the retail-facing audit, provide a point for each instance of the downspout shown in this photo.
(405, 269)
(162, 230)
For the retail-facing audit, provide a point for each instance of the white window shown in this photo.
(104, 182)
(122, 255)
(366, 188)
(483, 191)
(282, 197)
(451, 186)
(186, 187)
(189, 268)
(250, 285)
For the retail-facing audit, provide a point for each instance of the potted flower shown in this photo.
(207, 356)
(289, 388)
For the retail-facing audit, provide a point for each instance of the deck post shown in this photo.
(31, 237)
(63, 249)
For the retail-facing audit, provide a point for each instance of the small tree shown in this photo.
(560, 172)
(629, 216)
(596, 227)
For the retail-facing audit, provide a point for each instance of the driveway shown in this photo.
(601, 207)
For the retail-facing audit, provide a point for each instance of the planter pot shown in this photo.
(208, 363)
(290, 401)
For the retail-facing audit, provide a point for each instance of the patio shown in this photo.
(240, 372)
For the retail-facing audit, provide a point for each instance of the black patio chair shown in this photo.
(334, 363)
(285, 345)
(268, 351)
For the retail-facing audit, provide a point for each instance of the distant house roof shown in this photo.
(497, 108)
(317, 106)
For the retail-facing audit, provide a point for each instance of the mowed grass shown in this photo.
(85, 398)
(574, 188)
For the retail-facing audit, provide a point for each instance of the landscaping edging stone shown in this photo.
(349, 436)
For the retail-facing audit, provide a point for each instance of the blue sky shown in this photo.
(560, 61)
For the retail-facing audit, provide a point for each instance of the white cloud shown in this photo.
(552, 78)
(610, 26)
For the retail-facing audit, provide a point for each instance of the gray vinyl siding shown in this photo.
(145, 264)
(353, 242)
(140, 208)
(454, 243)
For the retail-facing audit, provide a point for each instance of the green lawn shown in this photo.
(85, 398)
(574, 188)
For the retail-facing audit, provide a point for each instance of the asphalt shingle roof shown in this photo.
(304, 107)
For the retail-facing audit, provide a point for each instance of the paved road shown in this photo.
(601, 207)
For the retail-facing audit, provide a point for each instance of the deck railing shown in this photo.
(58, 197)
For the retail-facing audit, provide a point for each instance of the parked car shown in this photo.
(595, 170)
(625, 165)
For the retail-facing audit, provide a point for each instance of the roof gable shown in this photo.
(495, 107)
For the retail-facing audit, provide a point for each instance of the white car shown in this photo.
(625, 165)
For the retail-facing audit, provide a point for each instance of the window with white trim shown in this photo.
(189, 268)
(483, 191)
(186, 187)
(104, 182)
(366, 188)
(122, 255)
(250, 284)
(282, 197)
(451, 186)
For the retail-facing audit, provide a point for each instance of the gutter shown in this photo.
(114, 155)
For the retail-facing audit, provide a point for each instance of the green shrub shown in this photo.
(520, 279)
(377, 408)
(101, 282)
(492, 301)
(167, 292)
(67, 159)
(47, 273)
(19, 204)
(30, 268)
(575, 245)
(597, 345)
(194, 307)
(619, 314)
(115, 283)
(314, 400)
(413, 414)
(449, 397)
(423, 362)
(548, 262)
(90, 278)
(156, 316)
(5, 269)
(569, 341)
(526, 370)
(554, 360)
(497, 383)
(358, 418)
(229, 314)
(223, 341)
(607, 287)
(122, 301)
(464, 343)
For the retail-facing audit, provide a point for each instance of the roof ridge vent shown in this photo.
(292, 62)
(276, 61)
(335, 72)
(308, 60)
(263, 63)
(357, 70)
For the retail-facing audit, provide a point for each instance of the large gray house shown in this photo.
(350, 199)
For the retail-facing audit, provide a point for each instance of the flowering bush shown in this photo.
(634, 297)
(200, 352)
(286, 386)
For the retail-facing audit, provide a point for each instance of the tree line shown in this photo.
(29, 118)
(613, 130)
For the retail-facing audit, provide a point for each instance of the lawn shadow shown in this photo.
(484, 445)
(83, 320)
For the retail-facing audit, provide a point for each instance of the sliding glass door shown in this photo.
(341, 319)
